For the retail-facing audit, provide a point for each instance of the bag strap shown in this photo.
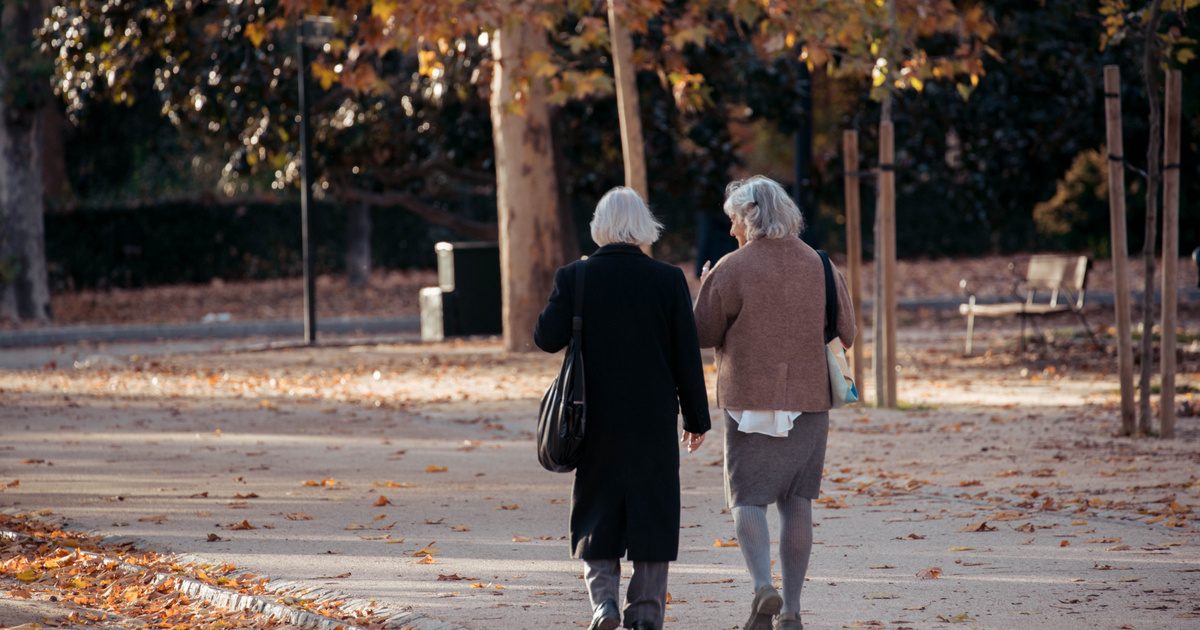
(577, 320)
(577, 391)
(831, 303)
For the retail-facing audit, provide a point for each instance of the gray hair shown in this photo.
(764, 207)
(622, 217)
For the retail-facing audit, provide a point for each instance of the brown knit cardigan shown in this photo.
(763, 308)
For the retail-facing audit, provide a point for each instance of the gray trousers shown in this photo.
(646, 597)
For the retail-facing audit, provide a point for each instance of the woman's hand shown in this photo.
(692, 440)
(705, 269)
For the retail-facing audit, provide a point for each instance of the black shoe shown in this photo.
(642, 625)
(606, 616)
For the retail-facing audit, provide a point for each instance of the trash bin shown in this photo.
(467, 298)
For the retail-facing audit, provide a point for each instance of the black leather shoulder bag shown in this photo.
(563, 412)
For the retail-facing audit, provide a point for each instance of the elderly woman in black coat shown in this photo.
(642, 368)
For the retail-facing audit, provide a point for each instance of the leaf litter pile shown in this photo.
(105, 580)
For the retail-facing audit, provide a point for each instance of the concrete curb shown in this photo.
(59, 335)
(233, 600)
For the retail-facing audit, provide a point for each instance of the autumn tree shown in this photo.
(398, 83)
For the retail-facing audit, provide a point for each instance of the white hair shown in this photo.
(764, 207)
(622, 217)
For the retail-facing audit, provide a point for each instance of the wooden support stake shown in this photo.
(854, 244)
(1170, 250)
(628, 112)
(887, 206)
(1120, 245)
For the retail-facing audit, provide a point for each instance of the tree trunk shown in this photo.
(24, 288)
(526, 184)
(1150, 70)
(358, 245)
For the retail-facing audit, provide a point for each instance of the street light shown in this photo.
(312, 30)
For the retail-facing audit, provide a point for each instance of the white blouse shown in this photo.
(772, 423)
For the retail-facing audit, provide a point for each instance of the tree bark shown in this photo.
(24, 287)
(526, 184)
(1150, 70)
(358, 245)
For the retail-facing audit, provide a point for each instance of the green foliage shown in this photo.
(1077, 214)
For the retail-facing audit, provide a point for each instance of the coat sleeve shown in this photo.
(847, 328)
(686, 363)
(553, 329)
(711, 319)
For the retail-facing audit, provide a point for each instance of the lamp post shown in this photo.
(312, 30)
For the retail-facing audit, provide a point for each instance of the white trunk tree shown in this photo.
(526, 184)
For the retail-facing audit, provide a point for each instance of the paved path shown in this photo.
(113, 448)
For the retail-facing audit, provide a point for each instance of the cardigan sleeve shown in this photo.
(711, 318)
(686, 363)
(553, 329)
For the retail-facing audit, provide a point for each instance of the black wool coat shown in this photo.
(642, 367)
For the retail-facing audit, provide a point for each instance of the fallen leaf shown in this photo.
(436, 469)
(158, 519)
(27, 576)
(932, 573)
(334, 577)
(20, 593)
(214, 538)
(959, 618)
(298, 516)
(520, 539)
(962, 549)
(460, 528)
(245, 524)
(981, 526)
(510, 507)
(453, 577)
(382, 501)
(427, 550)
(427, 560)
(718, 543)
(249, 495)
(1104, 541)
(1064, 543)
(881, 596)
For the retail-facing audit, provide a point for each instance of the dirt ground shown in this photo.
(996, 497)
(394, 293)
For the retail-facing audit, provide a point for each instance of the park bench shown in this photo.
(1051, 285)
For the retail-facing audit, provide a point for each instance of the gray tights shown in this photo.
(795, 545)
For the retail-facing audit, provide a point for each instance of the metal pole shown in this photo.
(310, 285)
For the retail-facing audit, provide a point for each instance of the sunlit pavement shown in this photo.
(335, 457)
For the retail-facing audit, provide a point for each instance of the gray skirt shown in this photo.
(760, 469)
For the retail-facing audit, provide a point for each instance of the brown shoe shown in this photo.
(788, 621)
(767, 603)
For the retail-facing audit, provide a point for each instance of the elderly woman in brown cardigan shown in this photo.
(763, 308)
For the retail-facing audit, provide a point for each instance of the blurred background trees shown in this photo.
(178, 118)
